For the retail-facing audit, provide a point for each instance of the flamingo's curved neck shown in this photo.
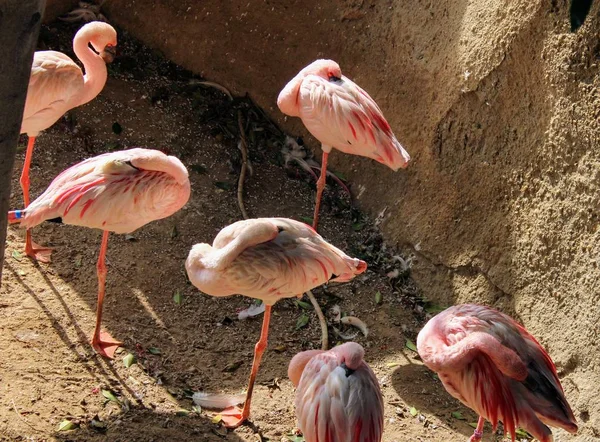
(95, 68)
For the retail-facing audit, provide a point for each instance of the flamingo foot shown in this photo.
(105, 345)
(233, 417)
(38, 253)
(477, 435)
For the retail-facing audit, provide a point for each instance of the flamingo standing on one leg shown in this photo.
(342, 115)
(268, 259)
(115, 192)
(494, 366)
(57, 85)
(338, 397)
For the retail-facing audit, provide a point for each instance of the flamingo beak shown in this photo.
(109, 53)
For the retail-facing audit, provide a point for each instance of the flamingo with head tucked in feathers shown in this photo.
(494, 366)
(57, 85)
(114, 192)
(340, 115)
(267, 259)
(338, 398)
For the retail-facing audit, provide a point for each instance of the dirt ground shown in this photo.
(48, 371)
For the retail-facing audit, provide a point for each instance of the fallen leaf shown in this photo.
(357, 227)
(473, 424)
(110, 396)
(182, 412)
(392, 364)
(198, 168)
(280, 348)
(154, 350)
(433, 308)
(116, 128)
(295, 438)
(233, 366)
(224, 185)
(522, 433)
(130, 237)
(21, 272)
(302, 321)
(216, 419)
(411, 345)
(378, 297)
(67, 425)
(17, 255)
(197, 409)
(457, 415)
(413, 411)
(303, 304)
(307, 220)
(178, 297)
(128, 360)
(174, 232)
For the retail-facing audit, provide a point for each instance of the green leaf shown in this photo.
(307, 220)
(303, 304)
(378, 297)
(357, 227)
(110, 396)
(197, 409)
(67, 425)
(473, 424)
(182, 412)
(116, 128)
(433, 308)
(174, 232)
(413, 411)
(128, 360)
(457, 415)
(411, 345)
(17, 255)
(522, 433)
(295, 438)
(233, 366)
(178, 297)
(154, 350)
(302, 321)
(223, 185)
(392, 364)
(198, 168)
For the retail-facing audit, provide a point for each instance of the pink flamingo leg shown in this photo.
(32, 250)
(232, 417)
(103, 343)
(320, 188)
(478, 433)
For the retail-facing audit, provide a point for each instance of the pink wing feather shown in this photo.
(108, 192)
(473, 347)
(291, 261)
(55, 80)
(336, 404)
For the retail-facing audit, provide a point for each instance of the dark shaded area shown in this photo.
(19, 28)
(578, 12)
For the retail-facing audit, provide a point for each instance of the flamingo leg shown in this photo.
(478, 433)
(232, 417)
(32, 250)
(103, 343)
(320, 188)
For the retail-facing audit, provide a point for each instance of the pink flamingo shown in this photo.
(57, 85)
(494, 366)
(267, 259)
(115, 192)
(342, 115)
(338, 397)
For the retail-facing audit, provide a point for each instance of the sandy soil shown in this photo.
(48, 372)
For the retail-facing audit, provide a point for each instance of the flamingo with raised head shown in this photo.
(267, 259)
(340, 115)
(494, 366)
(114, 192)
(57, 85)
(338, 398)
